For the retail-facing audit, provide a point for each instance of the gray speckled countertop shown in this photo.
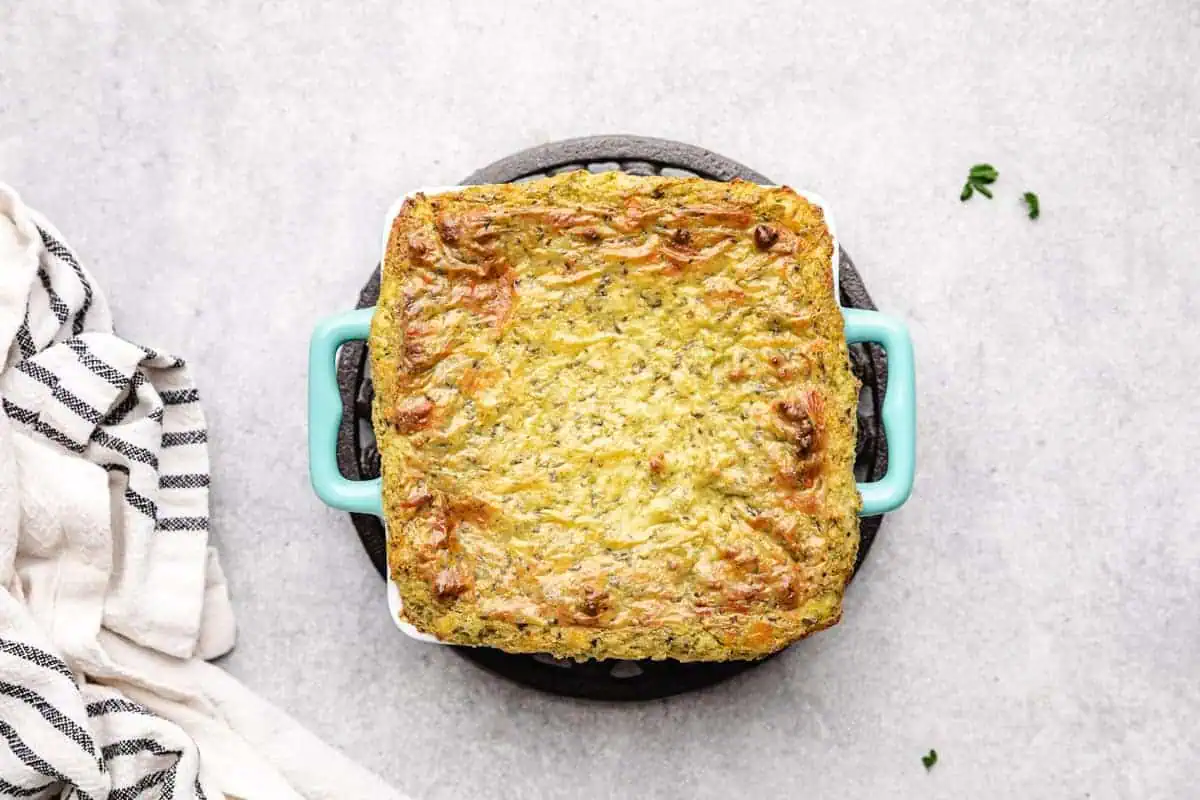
(1031, 613)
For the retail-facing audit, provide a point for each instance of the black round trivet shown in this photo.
(358, 458)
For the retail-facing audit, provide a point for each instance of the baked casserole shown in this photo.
(616, 418)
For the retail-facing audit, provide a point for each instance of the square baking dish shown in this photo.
(364, 496)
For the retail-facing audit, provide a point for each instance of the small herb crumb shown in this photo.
(1031, 202)
(977, 181)
(929, 760)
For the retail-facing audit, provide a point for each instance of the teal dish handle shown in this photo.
(899, 408)
(325, 415)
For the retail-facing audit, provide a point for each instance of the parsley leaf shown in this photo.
(929, 760)
(1031, 200)
(984, 173)
(977, 181)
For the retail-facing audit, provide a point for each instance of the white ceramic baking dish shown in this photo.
(363, 497)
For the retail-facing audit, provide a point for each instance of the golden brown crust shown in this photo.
(616, 418)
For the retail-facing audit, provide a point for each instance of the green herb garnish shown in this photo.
(1031, 200)
(977, 181)
(929, 760)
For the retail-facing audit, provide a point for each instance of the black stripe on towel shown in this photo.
(36, 656)
(25, 339)
(39, 373)
(114, 705)
(62, 723)
(164, 779)
(177, 397)
(129, 747)
(59, 392)
(96, 365)
(12, 790)
(130, 451)
(57, 249)
(183, 524)
(184, 437)
(172, 361)
(32, 759)
(34, 420)
(61, 312)
(195, 480)
(119, 412)
(141, 503)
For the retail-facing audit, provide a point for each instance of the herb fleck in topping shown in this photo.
(929, 760)
(1031, 200)
(977, 181)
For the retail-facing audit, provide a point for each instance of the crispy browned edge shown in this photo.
(684, 641)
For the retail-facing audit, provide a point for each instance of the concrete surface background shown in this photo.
(1031, 613)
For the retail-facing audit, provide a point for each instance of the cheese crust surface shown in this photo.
(616, 418)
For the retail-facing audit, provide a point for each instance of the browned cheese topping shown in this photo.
(616, 417)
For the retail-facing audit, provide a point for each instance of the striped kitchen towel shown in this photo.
(111, 600)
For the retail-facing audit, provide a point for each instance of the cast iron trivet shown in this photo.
(358, 459)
